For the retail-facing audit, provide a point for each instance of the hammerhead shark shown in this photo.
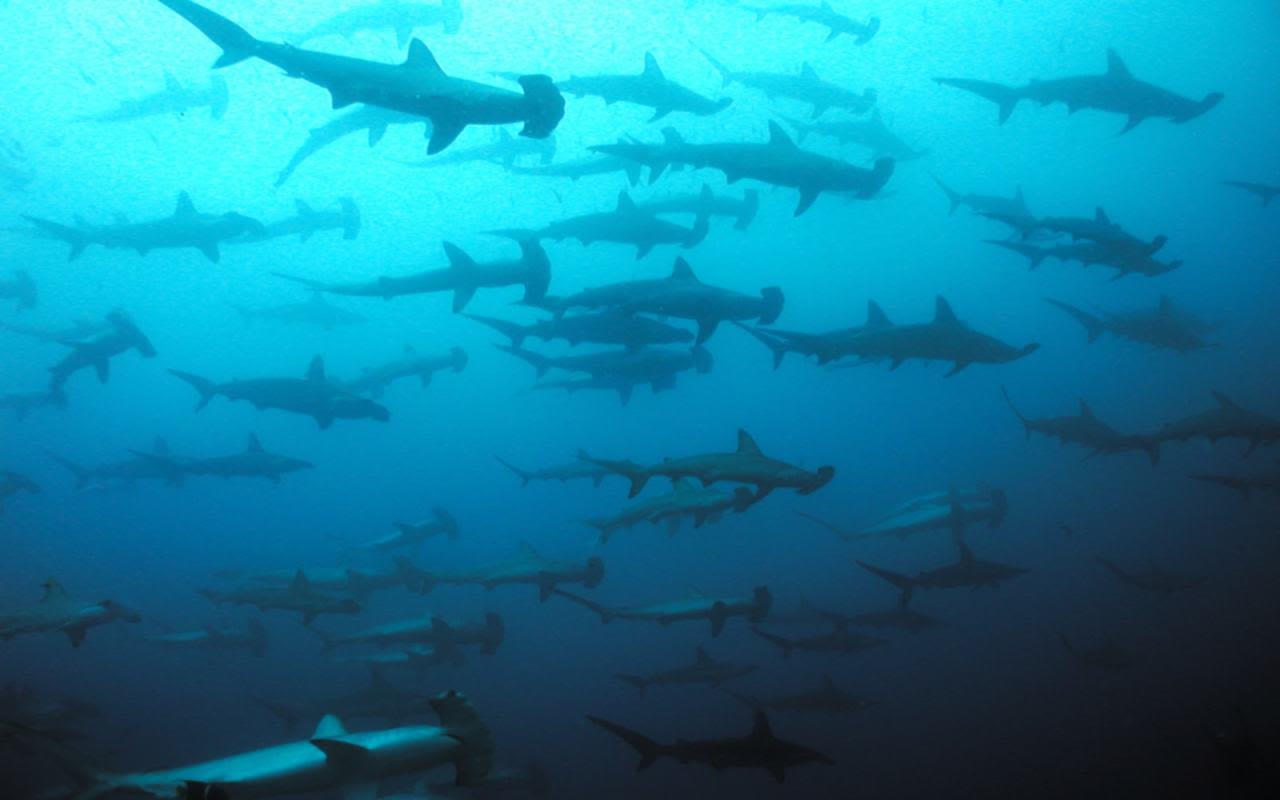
(1152, 579)
(1086, 430)
(399, 16)
(685, 500)
(299, 596)
(1226, 420)
(821, 14)
(650, 88)
(408, 534)
(427, 630)
(254, 461)
(315, 311)
(418, 86)
(253, 637)
(11, 483)
(526, 567)
(871, 133)
(505, 150)
(804, 87)
(57, 611)
(97, 351)
(371, 119)
(704, 670)
(967, 572)
(1116, 91)
(611, 326)
(716, 610)
(1266, 192)
(571, 471)
(374, 380)
(827, 698)
(173, 99)
(823, 347)
(306, 222)
(838, 640)
(1166, 326)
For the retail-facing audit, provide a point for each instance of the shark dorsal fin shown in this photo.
(682, 271)
(170, 82)
(1224, 401)
(651, 68)
(876, 318)
(303, 208)
(527, 552)
(300, 584)
(1100, 215)
(702, 656)
(671, 136)
(420, 57)
(160, 446)
(315, 371)
(760, 728)
(779, 138)
(329, 727)
(1085, 411)
(943, 315)
(1116, 67)
(684, 486)
(966, 555)
(53, 591)
(254, 446)
(185, 208)
(458, 258)
(625, 204)
(807, 71)
(748, 445)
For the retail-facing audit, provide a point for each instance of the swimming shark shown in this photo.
(316, 312)
(356, 582)
(418, 86)
(401, 17)
(160, 465)
(946, 338)
(97, 351)
(1227, 420)
(747, 464)
(185, 228)
(299, 596)
(821, 14)
(328, 760)
(57, 611)
(951, 510)
(611, 326)
(626, 224)
(686, 500)
(254, 461)
(314, 395)
(174, 98)
(78, 329)
(427, 630)
(1106, 655)
(572, 471)
(1152, 579)
(1245, 485)
(1166, 326)
(622, 384)
(827, 698)
(1126, 258)
(778, 162)
(505, 150)
(1086, 430)
(1007, 207)
(1116, 91)
(306, 222)
(804, 87)
(373, 381)
(11, 483)
(716, 610)
(966, 572)
(839, 640)
(526, 567)
(823, 347)
(578, 168)
(704, 670)
(253, 637)
(622, 370)
(1266, 192)
(870, 133)
(650, 88)
(742, 210)
(21, 289)
(413, 534)
(462, 277)
(55, 718)
(23, 403)
(759, 749)
(371, 119)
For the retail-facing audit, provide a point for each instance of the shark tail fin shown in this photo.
(204, 386)
(76, 238)
(634, 680)
(81, 474)
(784, 644)
(350, 218)
(750, 207)
(524, 475)
(953, 196)
(544, 106)
(1026, 423)
(630, 470)
(446, 522)
(904, 583)
(1093, 326)
(461, 720)
(236, 43)
(726, 74)
(1006, 97)
(648, 749)
(779, 347)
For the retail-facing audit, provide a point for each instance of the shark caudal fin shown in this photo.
(537, 269)
(953, 197)
(1026, 423)
(904, 584)
(1093, 326)
(512, 330)
(1006, 97)
(1035, 255)
(779, 347)
(750, 207)
(76, 238)
(648, 749)
(204, 386)
(634, 680)
(236, 43)
(524, 475)
(1210, 100)
(630, 470)
(544, 106)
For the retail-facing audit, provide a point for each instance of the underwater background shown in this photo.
(989, 704)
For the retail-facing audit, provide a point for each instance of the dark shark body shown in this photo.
(650, 88)
(1007, 207)
(527, 567)
(871, 134)
(579, 168)
(316, 312)
(173, 99)
(158, 465)
(1245, 485)
(373, 381)
(253, 637)
(1152, 579)
(13, 483)
(685, 501)
(413, 534)
(967, 572)
(1265, 192)
(429, 630)
(619, 370)
(803, 87)
(821, 14)
(626, 224)
(398, 16)
(306, 222)
(23, 403)
(1126, 258)
(742, 211)
(704, 671)
(572, 471)
(1086, 430)
(716, 610)
(299, 596)
(97, 352)
(252, 462)
(828, 698)
(839, 640)
(371, 119)
(824, 347)
(1228, 420)
(607, 327)
(1166, 326)
(58, 611)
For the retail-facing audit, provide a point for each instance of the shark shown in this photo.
(703, 671)
(1166, 326)
(803, 87)
(330, 759)
(313, 395)
(356, 582)
(1007, 207)
(299, 596)
(412, 534)
(1086, 430)
(626, 224)
(374, 381)
(622, 384)
(966, 572)
(585, 167)
(398, 16)
(55, 718)
(307, 222)
(747, 464)
(826, 698)
(23, 403)
(21, 289)
(1126, 258)
(463, 277)
(779, 162)
(759, 749)
(174, 99)
(610, 326)
(651, 88)
(1265, 192)
(526, 567)
(950, 510)
(374, 121)
(505, 150)
(571, 471)
(839, 640)
(158, 465)
(254, 461)
(822, 347)
(872, 134)
(418, 86)
(742, 210)
(1226, 420)
(1152, 579)
(686, 499)
(531, 780)
(253, 637)
(427, 630)
(946, 338)
(821, 14)
(77, 329)
(315, 312)
(621, 370)
(185, 228)
(13, 483)
(1245, 485)
(58, 611)
(715, 610)
(97, 351)
(1117, 91)
(1107, 655)
(1099, 228)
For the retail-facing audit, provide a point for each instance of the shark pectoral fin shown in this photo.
(808, 194)
(461, 296)
(376, 132)
(957, 367)
(341, 98)
(103, 367)
(76, 635)
(1134, 121)
(210, 250)
(643, 250)
(778, 771)
(659, 113)
(445, 128)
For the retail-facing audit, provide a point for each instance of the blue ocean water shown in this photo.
(988, 704)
